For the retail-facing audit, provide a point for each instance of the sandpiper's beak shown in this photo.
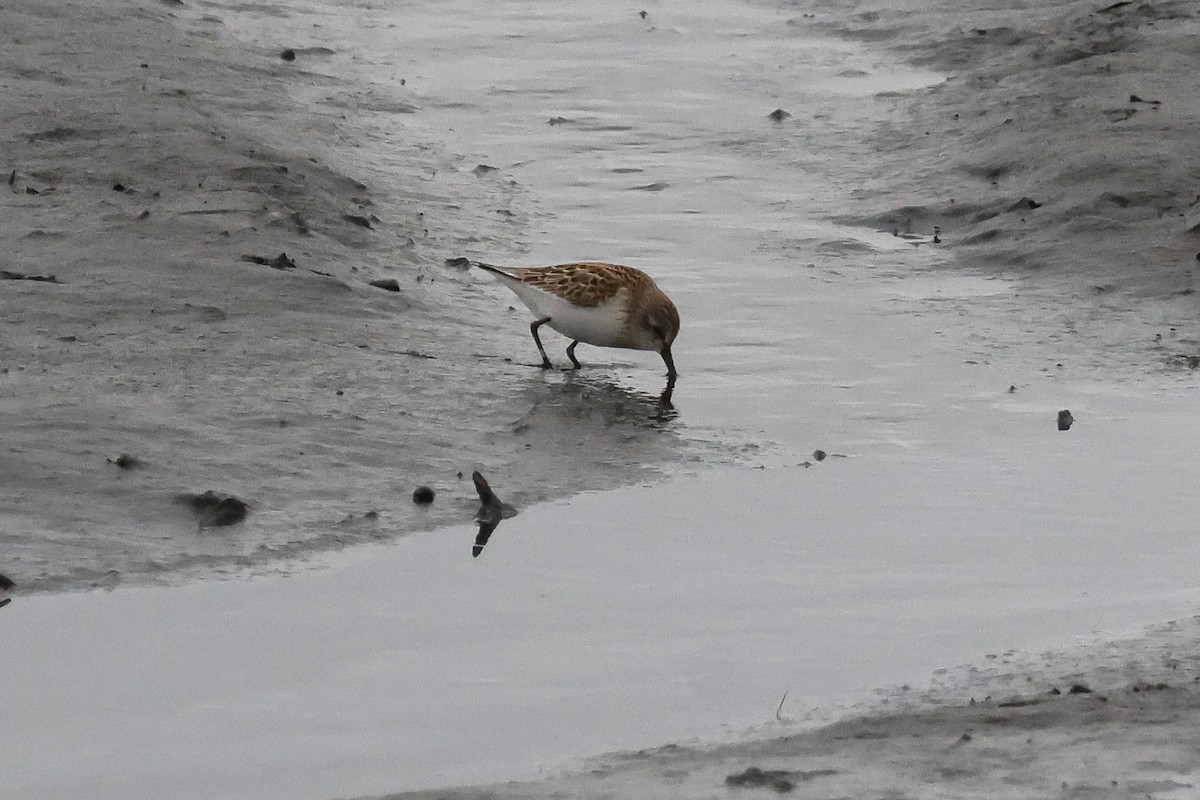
(666, 354)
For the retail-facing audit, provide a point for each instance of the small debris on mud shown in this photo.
(778, 115)
(9, 275)
(491, 512)
(423, 495)
(280, 261)
(390, 284)
(1065, 420)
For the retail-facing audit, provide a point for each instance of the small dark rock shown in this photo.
(6, 585)
(126, 461)
(1012, 389)
(1054, 690)
(423, 495)
(459, 263)
(564, 121)
(390, 284)
(819, 455)
(31, 190)
(118, 187)
(1079, 688)
(358, 220)
(288, 55)
(483, 169)
(778, 115)
(642, 14)
(12, 177)
(1065, 420)
(213, 510)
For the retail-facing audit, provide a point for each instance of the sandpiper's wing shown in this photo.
(586, 283)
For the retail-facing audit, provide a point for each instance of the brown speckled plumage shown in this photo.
(586, 283)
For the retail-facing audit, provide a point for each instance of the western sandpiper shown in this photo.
(606, 305)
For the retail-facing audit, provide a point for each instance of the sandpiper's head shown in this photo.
(659, 327)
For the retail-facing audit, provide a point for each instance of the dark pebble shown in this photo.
(126, 461)
(288, 55)
(1064, 420)
(358, 220)
(459, 263)
(1079, 688)
(391, 284)
(819, 455)
(423, 495)
(214, 510)
(778, 115)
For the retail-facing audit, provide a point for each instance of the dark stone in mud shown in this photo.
(483, 169)
(423, 495)
(390, 284)
(1024, 203)
(119, 187)
(781, 780)
(459, 263)
(819, 455)
(558, 121)
(356, 219)
(215, 511)
(126, 461)
(778, 115)
(6, 586)
(12, 177)
(1079, 688)
(643, 14)
(280, 261)
(288, 55)
(1065, 420)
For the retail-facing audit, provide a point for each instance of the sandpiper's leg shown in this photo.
(571, 354)
(533, 329)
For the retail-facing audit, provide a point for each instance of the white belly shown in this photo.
(599, 325)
